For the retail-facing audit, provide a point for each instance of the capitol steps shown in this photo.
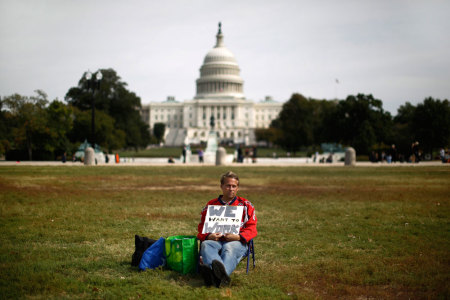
(175, 137)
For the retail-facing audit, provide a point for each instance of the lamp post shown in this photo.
(93, 83)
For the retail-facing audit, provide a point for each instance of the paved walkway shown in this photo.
(260, 163)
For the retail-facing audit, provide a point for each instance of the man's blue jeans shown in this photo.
(228, 253)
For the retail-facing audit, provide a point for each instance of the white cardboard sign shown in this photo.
(223, 219)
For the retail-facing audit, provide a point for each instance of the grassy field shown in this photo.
(324, 233)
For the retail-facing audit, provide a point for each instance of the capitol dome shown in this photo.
(219, 74)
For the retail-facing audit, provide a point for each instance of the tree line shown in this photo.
(360, 122)
(32, 127)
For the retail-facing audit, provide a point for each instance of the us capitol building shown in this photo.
(219, 100)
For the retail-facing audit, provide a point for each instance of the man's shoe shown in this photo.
(220, 273)
(207, 274)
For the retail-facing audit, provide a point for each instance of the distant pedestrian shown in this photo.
(184, 154)
(254, 154)
(388, 158)
(442, 155)
(383, 156)
(200, 155)
(330, 158)
(416, 152)
(64, 157)
(240, 158)
(393, 153)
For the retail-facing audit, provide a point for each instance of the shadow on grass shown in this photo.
(192, 280)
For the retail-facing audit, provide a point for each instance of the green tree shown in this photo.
(302, 122)
(60, 123)
(114, 99)
(27, 118)
(403, 132)
(5, 134)
(295, 123)
(107, 134)
(269, 135)
(322, 110)
(158, 131)
(361, 122)
(431, 124)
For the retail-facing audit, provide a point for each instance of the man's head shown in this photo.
(229, 183)
(229, 174)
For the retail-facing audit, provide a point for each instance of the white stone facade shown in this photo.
(219, 95)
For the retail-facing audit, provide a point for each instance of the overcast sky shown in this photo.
(396, 50)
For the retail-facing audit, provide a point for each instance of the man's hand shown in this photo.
(229, 237)
(214, 236)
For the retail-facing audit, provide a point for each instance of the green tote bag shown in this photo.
(182, 253)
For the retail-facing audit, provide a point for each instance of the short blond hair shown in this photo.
(229, 174)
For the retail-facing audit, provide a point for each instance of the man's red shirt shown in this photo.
(247, 229)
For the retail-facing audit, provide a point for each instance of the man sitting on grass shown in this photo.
(220, 253)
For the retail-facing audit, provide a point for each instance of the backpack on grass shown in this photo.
(141, 244)
(153, 257)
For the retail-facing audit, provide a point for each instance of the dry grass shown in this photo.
(326, 233)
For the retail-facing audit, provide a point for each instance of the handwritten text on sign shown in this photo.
(223, 219)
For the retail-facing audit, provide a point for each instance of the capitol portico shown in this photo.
(220, 95)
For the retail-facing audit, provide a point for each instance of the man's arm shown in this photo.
(248, 231)
(202, 236)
